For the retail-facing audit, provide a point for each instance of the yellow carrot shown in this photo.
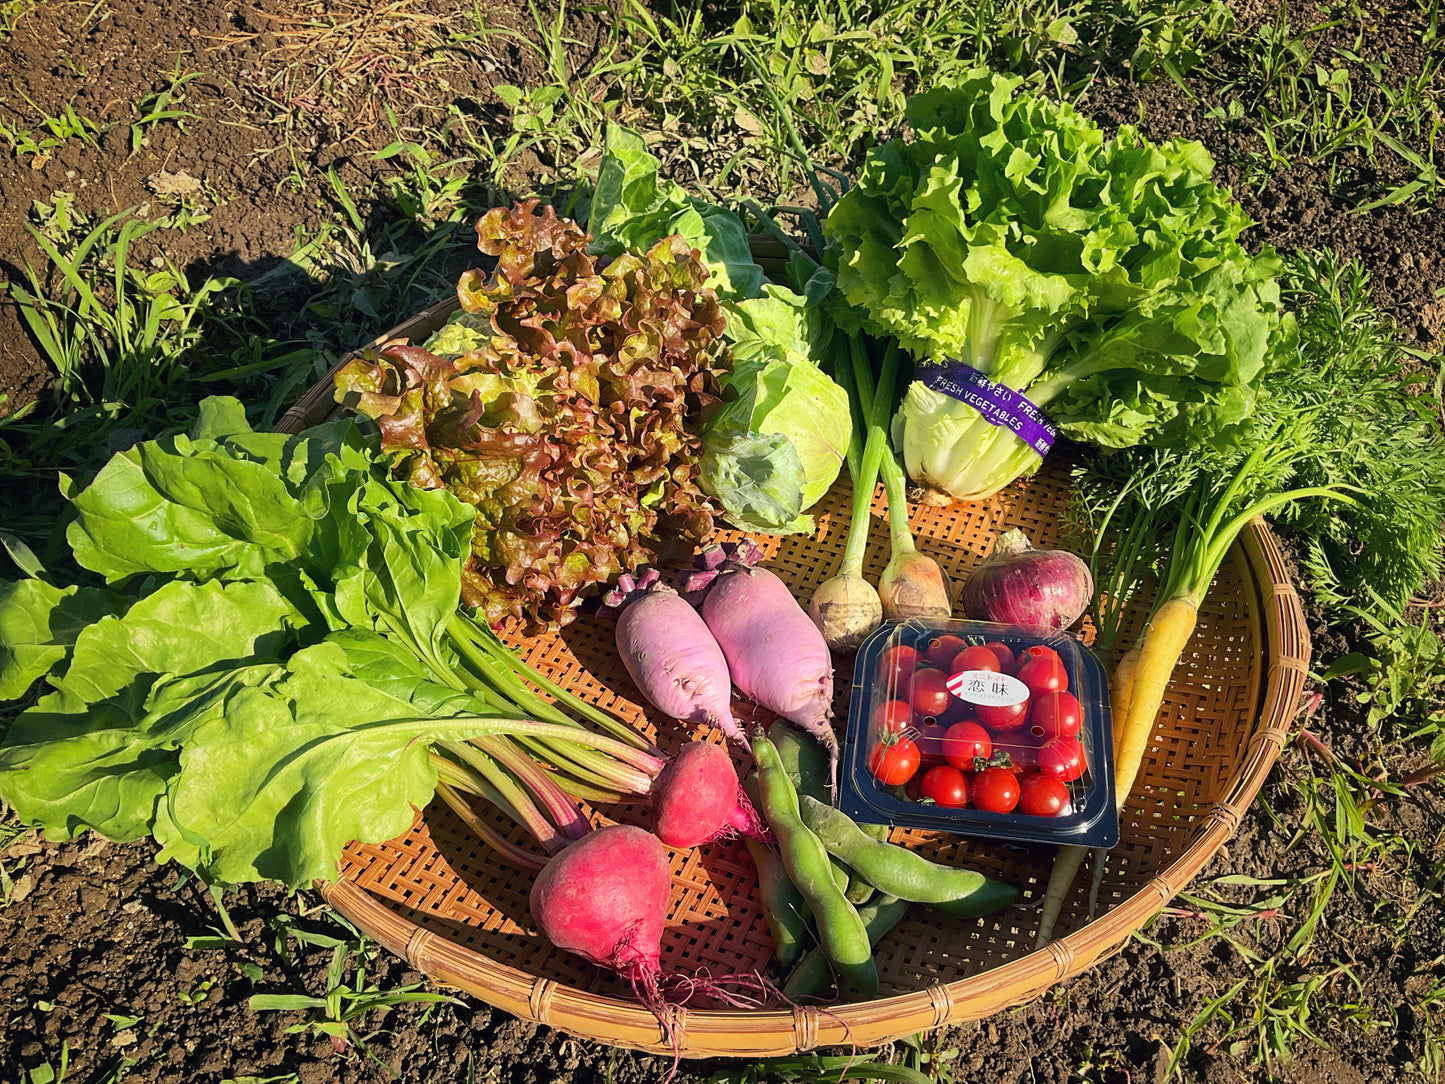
(1139, 684)
(1121, 687)
(1121, 692)
(1209, 520)
(1164, 641)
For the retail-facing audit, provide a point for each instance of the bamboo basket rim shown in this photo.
(771, 1032)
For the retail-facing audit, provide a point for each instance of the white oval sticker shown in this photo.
(988, 687)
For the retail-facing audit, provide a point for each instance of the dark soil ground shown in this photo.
(119, 963)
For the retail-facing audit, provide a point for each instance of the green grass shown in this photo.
(1311, 93)
(1294, 936)
(161, 105)
(11, 12)
(136, 346)
(121, 341)
(51, 132)
(46, 1073)
(10, 868)
(349, 996)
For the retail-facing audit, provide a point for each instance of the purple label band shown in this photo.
(998, 405)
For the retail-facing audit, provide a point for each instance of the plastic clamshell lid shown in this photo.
(1092, 820)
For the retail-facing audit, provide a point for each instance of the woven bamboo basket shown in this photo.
(458, 913)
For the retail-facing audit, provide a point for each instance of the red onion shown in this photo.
(1020, 585)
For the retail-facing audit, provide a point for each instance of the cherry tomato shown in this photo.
(1043, 796)
(892, 716)
(929, 739)
(995, 790)
(1062, 758)
(959, 711)
(1055, 715)
(912, 790)
(975, 658)
(896, 666)
(964, 741)
(1042, 674)
(1002, 716)
(1004, 654)
(945, 786)
(1036, 651)
(1023, 754)
(928, 692)
(942, 650)
(894, 760)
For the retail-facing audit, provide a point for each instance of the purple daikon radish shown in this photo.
(671, 655)
(775, 653)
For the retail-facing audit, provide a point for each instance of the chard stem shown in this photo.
(590, 768)
(556, 803)
(484, 672)
(586, 792)
(481, 726)
(488, 648)
(519, 857)
(511, 798)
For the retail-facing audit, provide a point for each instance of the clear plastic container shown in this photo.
(889, 697)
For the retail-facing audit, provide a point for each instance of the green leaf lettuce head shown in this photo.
(1102, 278)
(777, 441)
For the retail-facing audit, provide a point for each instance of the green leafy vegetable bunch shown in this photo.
(267, 661)
(562, 407)
(776, 442)
(1101, 277)
(205, 694)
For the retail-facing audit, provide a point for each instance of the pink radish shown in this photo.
(671, 655)
(697, 799)
(775, 653)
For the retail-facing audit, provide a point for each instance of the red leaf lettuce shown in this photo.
(570, 427)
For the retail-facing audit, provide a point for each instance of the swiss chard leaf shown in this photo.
(396, 672)
(178, 507)
(408, 585)
(92, 754)
(277, 785)
(38, 626)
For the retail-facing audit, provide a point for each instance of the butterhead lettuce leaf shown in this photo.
(777, 442)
